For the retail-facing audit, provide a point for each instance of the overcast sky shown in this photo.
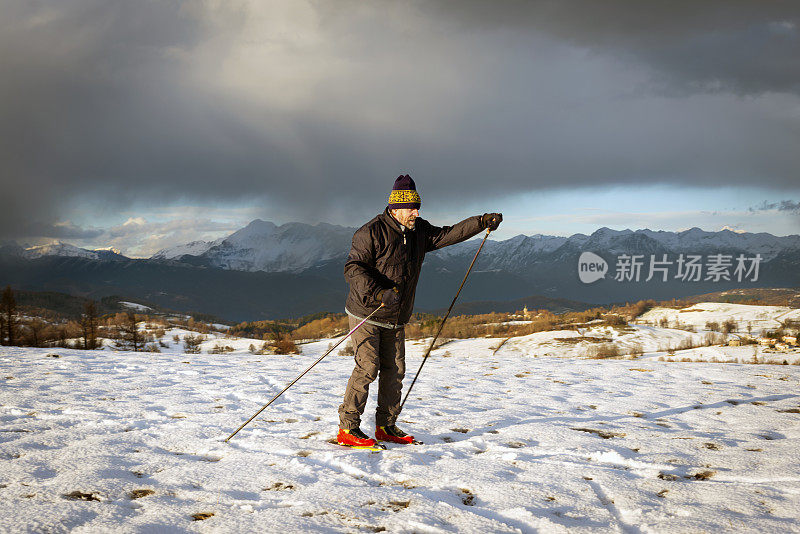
(146, 124)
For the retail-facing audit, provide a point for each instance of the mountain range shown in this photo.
(265, 271)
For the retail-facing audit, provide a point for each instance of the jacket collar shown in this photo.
(391, 221)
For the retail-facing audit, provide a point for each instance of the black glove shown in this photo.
(389, 297)
(491, 220)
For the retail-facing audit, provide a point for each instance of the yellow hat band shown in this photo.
(404, 196)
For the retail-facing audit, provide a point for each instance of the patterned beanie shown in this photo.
(404, 194)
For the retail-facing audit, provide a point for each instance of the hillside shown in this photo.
(754, 295)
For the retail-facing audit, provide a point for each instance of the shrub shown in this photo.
(775, 334)
(258, 329)
(713, 338)
(284, 344)
(197, 326)
(603, 350)
(642, 307)
(331, 326)
(615, 320)
(636, 350)
(191, 343)
(348, 349)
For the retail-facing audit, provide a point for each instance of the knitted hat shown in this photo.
(404, 194)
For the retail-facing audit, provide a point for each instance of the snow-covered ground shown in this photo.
(141, 308)
(759, 318)
(524, 438)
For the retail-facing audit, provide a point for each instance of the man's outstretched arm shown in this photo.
(438, 237)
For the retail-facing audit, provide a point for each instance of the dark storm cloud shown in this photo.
(318, 106)
(745, 46)
(783, 205)
(56, 231)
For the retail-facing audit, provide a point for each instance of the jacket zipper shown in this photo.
(405, 253)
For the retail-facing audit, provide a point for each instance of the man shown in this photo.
(383, 268)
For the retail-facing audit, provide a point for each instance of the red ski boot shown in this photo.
(393, 434)
(356, 439)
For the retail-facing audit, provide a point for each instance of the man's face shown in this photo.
(406, 216)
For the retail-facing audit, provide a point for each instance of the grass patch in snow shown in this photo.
(702, 475)
(605, 434)
(578, 339)
(81, 496)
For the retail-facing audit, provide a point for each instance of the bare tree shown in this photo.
(36, 330)
(8, 307)
(129, 336)
(729, 326)
(89, 325)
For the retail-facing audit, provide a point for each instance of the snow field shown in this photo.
(515, 441)
(761, 318)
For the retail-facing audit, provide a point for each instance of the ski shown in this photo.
(378, 447)
(413, 442)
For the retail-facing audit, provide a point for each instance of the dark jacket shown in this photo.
(385, 255)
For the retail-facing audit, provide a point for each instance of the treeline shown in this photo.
(54, 306)
(312, 326)
(35, 331)
(25, 328)
(468, 326)
(520, 323)
(422, 325)
(264, 330)
(503, 324)
(125, 330)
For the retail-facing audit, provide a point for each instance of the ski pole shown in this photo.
(446, 315)
(304, 372)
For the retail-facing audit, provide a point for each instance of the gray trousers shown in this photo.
(379, 353)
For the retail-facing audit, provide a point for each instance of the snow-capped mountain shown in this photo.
(518, 250)
(264, 246)
(695, 239)
(195, 248)
(269, 271)
(66, 250)
(296, 247)
(692, 241)
(519, 253)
